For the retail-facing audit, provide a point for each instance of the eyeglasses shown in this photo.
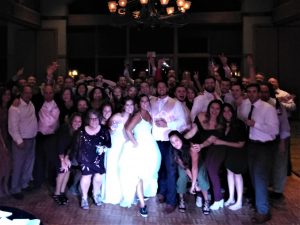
(93, 119)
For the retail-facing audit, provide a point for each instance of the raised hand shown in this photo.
(223, 59)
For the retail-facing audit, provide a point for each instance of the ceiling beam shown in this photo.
(18, 13)
(287, 12)
(208, 18)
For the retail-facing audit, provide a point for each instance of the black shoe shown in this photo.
(18, 196)
(181, 206)
(63, 198)
(57, 199)
(143, 211)
(261, 218)
(205, 208)
(276, 195)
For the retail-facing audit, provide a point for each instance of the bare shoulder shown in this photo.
(201, 116)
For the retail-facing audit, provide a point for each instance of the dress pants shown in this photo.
(45, 160)
(260, 157)
(280, 167)
(167, 173)
(23, 160)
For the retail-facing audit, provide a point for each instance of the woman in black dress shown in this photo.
(91, 144)
(209, 126)
(64, 146)
(236, 157)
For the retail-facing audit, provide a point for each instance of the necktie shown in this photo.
(250, 112)
(249, 118)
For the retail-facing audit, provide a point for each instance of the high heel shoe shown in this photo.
(217, 205)
(229, 202)
(235, 207)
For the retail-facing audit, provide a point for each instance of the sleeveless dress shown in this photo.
(141, 162)
(236, 158)
(112, 191)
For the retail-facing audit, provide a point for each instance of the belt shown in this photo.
(28, 139)
(261, 142)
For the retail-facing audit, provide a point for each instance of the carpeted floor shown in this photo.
(295, 147)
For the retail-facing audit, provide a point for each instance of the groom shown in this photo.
(167, 114)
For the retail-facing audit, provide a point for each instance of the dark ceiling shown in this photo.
(100, 6)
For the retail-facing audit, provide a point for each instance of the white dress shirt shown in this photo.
(170, 110)
(266, 125)
(290, 104)
(22, 121)
(187, 117)
(48, 118)
(201, 102)
(284, 125)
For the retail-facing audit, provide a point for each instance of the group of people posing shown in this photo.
(133, 142)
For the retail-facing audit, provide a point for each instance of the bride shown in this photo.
(140, 159)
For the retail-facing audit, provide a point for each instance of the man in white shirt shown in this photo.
(201, 101)
(180, 95)
(280, 157)
(167, 115)
(286, 99)
(263, 125)
(22, 126)
(226, 95)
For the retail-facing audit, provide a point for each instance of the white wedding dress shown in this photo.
(112, 190)
(141, 162)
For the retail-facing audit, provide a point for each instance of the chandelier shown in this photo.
(151, 11)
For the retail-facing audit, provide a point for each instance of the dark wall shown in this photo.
(277, 54)
(3, 53)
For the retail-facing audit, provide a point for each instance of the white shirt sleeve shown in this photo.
(179, 115)
(13, 124)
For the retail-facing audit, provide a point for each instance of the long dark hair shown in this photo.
(220, 121)
(233, 120)
(71, 130)
(185, 148)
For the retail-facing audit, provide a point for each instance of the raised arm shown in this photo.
(191, 132)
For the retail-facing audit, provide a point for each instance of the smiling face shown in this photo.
(227, 113)
(129, 106)
(97, 94)
(162, 89)
(176, 142)
(66, 95)
(145, 103)
(209, 85)
(106, 112)
(76, 122)
(190, 95)
(236, 91)
(180, 94)
(93, 120)
(117, 92)
(214, 110)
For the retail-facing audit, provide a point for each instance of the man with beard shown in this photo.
(180, 95)
(201, 101)
(167, 115)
